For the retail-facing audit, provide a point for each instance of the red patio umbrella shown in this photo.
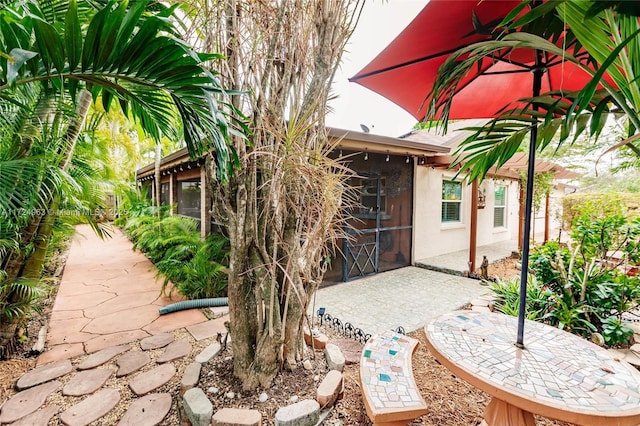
(404, 72)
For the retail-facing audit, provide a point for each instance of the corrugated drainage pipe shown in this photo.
(191, 304)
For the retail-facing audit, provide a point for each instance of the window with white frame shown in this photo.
(451, 201)
(499, 206)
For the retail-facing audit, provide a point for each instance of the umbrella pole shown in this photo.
(538, 73)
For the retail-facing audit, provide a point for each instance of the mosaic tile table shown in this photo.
(390, 393)
(557, 375)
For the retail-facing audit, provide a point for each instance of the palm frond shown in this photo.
(152, 76)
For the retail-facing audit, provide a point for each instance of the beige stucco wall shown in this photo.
(432, 237)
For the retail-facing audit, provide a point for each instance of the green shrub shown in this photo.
(615, 332)
(202, 274)
(569, 316)
(196, 268)
(543, 262)
(17, 298)
(507, 297)
(135, 202)
(596, 205)
(585, 289)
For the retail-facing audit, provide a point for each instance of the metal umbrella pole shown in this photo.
(538, 73)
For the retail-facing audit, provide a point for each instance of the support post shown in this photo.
(473, 227)
(520, 215)
(538, 73)
(173, 193)
(205, 204)
(547, 220)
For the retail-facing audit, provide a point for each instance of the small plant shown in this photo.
(569, 316)
(17, 298)
(507, 297)
(543, 262)
(615, 332)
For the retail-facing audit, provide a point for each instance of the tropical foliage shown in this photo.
(603, 42)
(194, 267)
(597, 205)
(56, 58)
(125, 53)
(585, 287)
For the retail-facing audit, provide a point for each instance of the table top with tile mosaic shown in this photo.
(389, 390)
(557, 374)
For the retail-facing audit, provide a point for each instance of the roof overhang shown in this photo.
(359, 141)
(172, 160)
(344, 139)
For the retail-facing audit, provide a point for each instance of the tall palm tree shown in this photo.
(124, 53)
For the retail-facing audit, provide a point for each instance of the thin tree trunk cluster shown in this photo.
(284, 205)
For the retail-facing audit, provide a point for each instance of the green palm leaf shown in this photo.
(127, 55)
(612, 43)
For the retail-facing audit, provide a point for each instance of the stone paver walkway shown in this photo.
(108, 296)
(406, 297)
(83, 389)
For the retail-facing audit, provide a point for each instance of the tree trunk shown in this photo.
(12, 262)
(7, 334)
(282, 206)
(33, 265)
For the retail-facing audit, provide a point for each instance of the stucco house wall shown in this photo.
(433, 237)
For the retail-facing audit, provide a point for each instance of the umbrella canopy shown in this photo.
(404, 72)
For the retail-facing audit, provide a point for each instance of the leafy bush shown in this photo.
(135, 203)
(583, 288)
(196, 268)
(597, 205)
(507, 297)
(569, 316)
(615, 331)
(204, 275)
(17, 297)
(543, 262)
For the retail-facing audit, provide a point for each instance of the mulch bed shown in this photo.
(451, 400)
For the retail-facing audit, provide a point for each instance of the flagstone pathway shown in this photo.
(110, 355)
(124, 384)
(108, 296)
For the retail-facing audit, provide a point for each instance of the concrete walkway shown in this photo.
(405, 297)
(108, 296)
(457, 263)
